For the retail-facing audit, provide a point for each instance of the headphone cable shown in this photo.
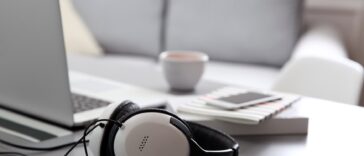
(81, 140)
(12, 153)
(52, 148)
(33, 148)
(86, 132)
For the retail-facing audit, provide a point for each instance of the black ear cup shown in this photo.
(213, 140)
(124, 109)
(127, 107)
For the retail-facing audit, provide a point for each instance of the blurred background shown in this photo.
(347, 16)
(83, 36)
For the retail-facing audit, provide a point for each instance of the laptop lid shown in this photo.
(33, 69)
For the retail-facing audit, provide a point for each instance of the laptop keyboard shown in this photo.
(83, 103)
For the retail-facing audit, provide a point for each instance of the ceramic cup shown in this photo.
(183, 69)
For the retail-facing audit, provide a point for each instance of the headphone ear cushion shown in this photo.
(127, 108)
(211, 139)
(121, 111)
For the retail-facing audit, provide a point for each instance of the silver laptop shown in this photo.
(34, 78)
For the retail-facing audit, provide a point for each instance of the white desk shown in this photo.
(334, 128)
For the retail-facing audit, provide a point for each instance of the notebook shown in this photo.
(249, 115)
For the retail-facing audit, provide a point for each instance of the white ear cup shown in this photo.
(95, 136)
(150, 134)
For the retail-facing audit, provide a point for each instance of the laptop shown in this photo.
(34, 79)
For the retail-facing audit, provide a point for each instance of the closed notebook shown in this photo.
(249, 115)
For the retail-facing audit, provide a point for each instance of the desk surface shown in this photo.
(334, 128)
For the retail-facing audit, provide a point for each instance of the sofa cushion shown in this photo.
(247, 31)
(124, 26)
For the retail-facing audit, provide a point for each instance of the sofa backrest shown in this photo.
(124, 26)
(246, 31)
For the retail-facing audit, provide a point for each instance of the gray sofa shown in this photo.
(257, 44)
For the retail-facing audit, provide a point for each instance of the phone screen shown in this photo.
(244, 97)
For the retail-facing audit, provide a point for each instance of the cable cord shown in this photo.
(37, 148)
(32, 148)
(87, 131)
(12, 153)
(72, 144)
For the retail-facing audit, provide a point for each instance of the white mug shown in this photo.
(183, 69)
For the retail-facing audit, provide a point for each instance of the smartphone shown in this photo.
(241, 100)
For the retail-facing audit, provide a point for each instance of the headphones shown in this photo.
(156, 132)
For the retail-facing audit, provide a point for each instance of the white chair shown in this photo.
(320, 68)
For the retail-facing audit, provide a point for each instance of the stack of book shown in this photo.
(262, 118)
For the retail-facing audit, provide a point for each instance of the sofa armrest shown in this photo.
(319, 67)
(320, 41)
